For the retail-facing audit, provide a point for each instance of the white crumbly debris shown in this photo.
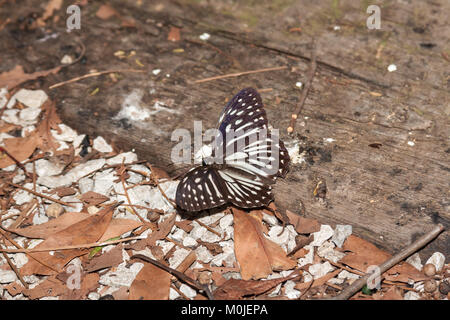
(156, 71)
(226, 221)
(318, 270)
(101, 145)
(22, 197)
(178, 234)
(29, 115)
(178, 256)
(326, 250)
(45, 168)
(197, 231)
(54, 181)
(122, 276)
(341, 233)
(226, 258)
(411, 143)
(93, 296)
(30, 98)
(126, 157)
(210, 219)
(290, 291)
(85, 168)
(411, 295)
(189, 242)
(188, 291)
(7, 276)
(294, 153)
(173, 294)
(39, 218)
(270, 219)
(203, 254)
(104, 181)
(345, 275)
(415, 261)
(325, 233)
(67, 133)
(3, 97)
(438, 259)
(204, 36)
(66, 59)
(308, 258)
(86, 184)
(392, 68)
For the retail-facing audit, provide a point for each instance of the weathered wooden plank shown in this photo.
(389, 194)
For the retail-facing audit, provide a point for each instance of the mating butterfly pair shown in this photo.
(246, 160)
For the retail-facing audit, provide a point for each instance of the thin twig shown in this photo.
(179, 275)
(41, 195)
(75, 246)
(237, 74)
(311, 72)
(20, 165)
(208, 228)
(93, 74)
(409, 250)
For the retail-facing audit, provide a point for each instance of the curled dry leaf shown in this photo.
(364, 254)
(257, 255)
(236, 289)
(88, 230)
(303, 225)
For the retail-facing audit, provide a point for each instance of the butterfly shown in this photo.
(246, 159)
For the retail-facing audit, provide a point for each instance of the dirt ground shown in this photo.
(377, 139)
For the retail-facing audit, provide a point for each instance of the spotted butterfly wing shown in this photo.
(246, 160)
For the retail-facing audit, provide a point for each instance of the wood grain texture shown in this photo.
(391, 193)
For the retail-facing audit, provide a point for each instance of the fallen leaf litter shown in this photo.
(65, 203)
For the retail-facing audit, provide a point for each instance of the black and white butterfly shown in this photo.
(246, 160)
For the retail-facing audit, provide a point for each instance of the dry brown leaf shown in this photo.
(14, 288)
(186, 225)
(151, 283)
(50, 287)
(45, 230)
(317, 282)
(303, 225)
(16, 76)
(49, 121)
(20, 148)
(106, 260)
(236, 289)
(393, 293)
(8, 127)
(105, 12)
(161, 233)
(117, 227)
(364, 254)
(174, 34)
(88, 230)
(92, 198)
(257, 255)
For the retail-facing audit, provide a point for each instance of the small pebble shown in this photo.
(392, 68)
(54, 210)
(430, 286)
(429, 269)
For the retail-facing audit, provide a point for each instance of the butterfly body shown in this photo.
(245, 162)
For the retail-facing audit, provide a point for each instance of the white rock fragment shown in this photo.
(203, 254)
(156, 200)
(270, 219)
(156, 71)
(39, 218)
(281, 239)
(178, 256)
(326, 250)
(54, 181)
(351, 277)
(411, 143)
(101, 145)
(341, 232)
(188, 291)
(325, 233)
(294, 153)
(204, 36)
(226, 221)
(337, 28)
(189, 242)
(438, 259)
(320, 269)
(11, 116)
(415, 261)
(20, 259)
(227, 257)
(178, 235)
(7, 276)
(77, 140)
(308, 258)
(3, 97)
(22, 197)
(29, 114)
(173, 294)
(127, 156)
(67, 133)
(298, 84)
(290, 291)
(66, 59)
(93, 296)
(392, 68)
(45, 168)
(104, 181)
(122, 276)
(411, 295)
(29, 98)
(83, 169)
(86, 184)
